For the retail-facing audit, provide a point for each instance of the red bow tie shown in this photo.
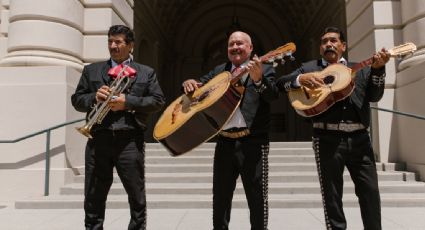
(117, 71)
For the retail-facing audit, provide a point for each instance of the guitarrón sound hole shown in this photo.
(329, 79)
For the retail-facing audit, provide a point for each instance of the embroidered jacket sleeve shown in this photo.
(287, 82)
(375, 84)
(267, 89)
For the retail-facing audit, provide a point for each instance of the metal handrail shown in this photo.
(47, 131)
(394, 112)
(399, 113)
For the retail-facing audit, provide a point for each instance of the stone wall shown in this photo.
(42, 52)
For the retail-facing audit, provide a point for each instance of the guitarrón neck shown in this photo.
(362, 64)
(237, 74)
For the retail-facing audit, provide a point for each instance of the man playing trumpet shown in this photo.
(118, 138)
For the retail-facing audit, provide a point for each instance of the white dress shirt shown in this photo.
(237, 120)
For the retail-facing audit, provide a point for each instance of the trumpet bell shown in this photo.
(84, 130)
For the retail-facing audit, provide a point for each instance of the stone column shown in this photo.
(372, 25)
(4, 15)
(409, 90)
(46, 34)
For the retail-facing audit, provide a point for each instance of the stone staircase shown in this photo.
(185, 182)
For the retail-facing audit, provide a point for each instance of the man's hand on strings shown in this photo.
(310, 80)
(380, 58)
(190, 85)
(255, 69)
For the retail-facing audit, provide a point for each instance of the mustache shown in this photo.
(330, 49)
(235, 52)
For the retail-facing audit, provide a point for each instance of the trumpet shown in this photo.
(101, 109)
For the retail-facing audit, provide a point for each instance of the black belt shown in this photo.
(235, 133)
(119, 132)
(344, 127)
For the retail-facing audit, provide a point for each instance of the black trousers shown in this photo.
(248, 157)
(335, 150)
(125, 151)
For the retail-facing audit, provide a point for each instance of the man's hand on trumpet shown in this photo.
(102, 93)
(116, 103)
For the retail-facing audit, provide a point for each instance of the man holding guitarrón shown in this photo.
(243, 145)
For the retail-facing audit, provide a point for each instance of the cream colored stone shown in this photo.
(95, 48)
(3, 47)
(385, 126)
(99, 20)
(74, 141)
(41, 100)
(4, 26)
(30, 35)
(122, 8)
(415, 59)
(5, 3)
(392, 15)
(37, 93)
(68, 12)
(414, 32)
(24, 183)
(410, 97)
(417, 168)
(361, 27)
(33, 33)
(411, 10)
(361, 50)
(355, 8)
(410, 75)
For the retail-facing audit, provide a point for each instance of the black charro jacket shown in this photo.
(143, 98)
(369, 87)
(255, 105)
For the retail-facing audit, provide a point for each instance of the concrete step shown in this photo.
(275, 166)
(198, 168)
(274, 177)
(211, 145)
(210, 152)
(186, 182)
(274, 188)
(273, 159)
(201, 159)
(177, 201)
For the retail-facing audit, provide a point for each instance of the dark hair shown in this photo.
(334, 30)
(121, 29)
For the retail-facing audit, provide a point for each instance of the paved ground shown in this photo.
(200, 219)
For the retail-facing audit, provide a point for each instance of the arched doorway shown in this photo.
(185, 39)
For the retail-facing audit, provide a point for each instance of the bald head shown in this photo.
(239, 47)
(241, 35)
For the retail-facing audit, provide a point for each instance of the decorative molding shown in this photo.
(417, 58)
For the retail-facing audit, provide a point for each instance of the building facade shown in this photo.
(45, 44)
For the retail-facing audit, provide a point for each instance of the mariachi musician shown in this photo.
(118, 139)
(340, 135)
(243, 145)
